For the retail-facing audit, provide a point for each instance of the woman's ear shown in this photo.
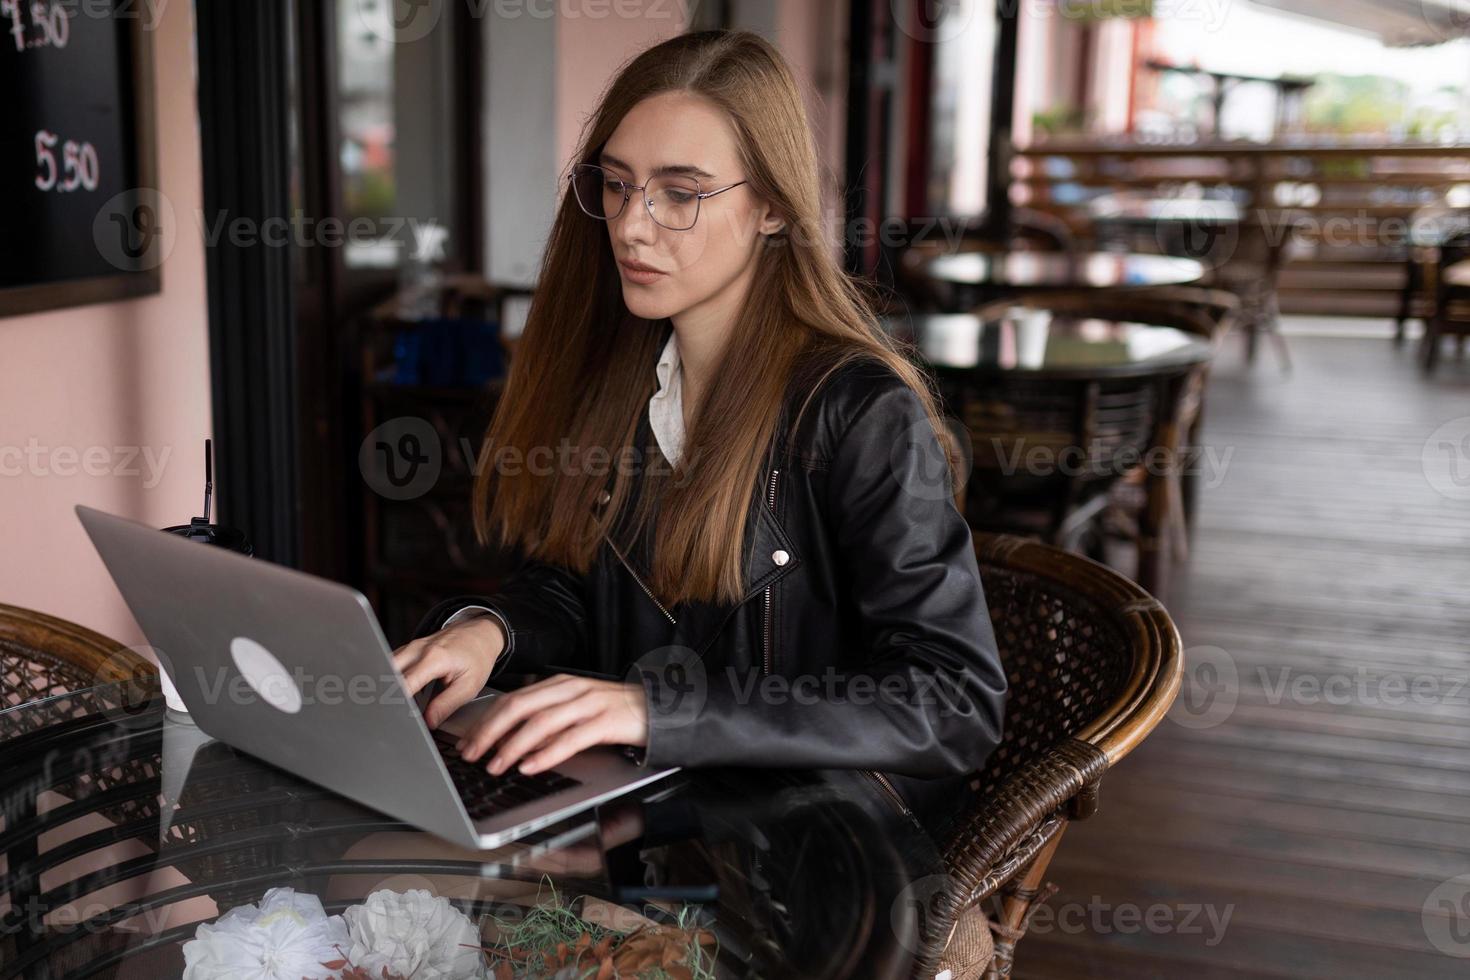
(772, 224)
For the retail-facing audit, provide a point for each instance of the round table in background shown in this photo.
(1148, 211)
(991, 275)
(1202, 228)
(1042, 373)
(125, 828)
(1049, 347)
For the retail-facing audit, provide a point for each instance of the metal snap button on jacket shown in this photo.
(780, 557)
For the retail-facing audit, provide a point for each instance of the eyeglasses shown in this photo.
(672, 201)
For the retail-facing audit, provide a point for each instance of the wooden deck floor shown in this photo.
(1311, 820)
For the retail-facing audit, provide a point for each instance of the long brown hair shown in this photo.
(583, 367)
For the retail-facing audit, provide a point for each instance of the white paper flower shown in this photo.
(287, 937)
(413, 934)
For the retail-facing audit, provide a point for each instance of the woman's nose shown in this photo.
(635, 224)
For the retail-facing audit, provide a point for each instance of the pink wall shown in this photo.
(83, 388)
(812, 36)
(589, 51)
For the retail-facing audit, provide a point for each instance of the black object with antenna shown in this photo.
(199, 528)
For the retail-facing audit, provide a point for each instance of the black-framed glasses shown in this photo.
(672, 199)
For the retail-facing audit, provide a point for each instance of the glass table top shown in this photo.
(126, 829)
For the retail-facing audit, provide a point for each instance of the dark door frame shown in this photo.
(871, 103)
(285, 351)
(244, 64)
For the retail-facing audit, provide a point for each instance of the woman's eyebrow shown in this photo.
(681, 169)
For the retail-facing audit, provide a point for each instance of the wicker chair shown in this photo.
(42, 657)
(1253, 273)
(1093, 663)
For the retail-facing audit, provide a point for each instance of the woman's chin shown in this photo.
(641, 302)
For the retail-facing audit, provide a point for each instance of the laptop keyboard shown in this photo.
(485, 795)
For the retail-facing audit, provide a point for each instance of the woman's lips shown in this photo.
(640, 274)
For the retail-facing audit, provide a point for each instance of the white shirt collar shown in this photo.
(666, 407)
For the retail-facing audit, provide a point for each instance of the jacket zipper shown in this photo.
(891, 793)
(646, 590)
(766, 651)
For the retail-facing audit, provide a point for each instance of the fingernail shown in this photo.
(529, 766)
(495, 765)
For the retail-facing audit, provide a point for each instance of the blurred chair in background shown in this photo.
(1451, 316)
(1430, 228)
(1252, 272)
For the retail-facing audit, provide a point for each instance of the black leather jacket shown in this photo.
(862, 640)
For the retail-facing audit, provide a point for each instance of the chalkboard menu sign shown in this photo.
(82, 219)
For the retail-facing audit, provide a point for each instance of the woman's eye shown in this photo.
(680, 197)
(616, 186)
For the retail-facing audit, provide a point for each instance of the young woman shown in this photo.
(726, 481)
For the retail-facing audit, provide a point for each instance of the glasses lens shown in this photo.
(601, 193)
(675, 202)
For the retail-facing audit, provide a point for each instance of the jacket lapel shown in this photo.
(700, 623)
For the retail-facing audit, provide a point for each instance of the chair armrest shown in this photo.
(1070, 770)
(1013, 827)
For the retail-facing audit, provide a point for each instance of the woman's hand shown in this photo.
(461, 655)
(546, 723)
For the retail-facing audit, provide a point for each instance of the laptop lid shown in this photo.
(285, 665)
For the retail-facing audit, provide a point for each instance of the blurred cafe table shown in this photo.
(1032, 381)
(126, 828)
(1190, 227)
(985, 276)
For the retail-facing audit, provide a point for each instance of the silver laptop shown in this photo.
(295, 669)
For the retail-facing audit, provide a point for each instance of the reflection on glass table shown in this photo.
(126, 830)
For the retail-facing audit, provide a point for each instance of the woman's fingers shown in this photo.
(430, 666)
(457, 694)
(404, 656)
(567, 744)
(541, 728)
(509, 710)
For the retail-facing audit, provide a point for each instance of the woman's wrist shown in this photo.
(487, 629)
